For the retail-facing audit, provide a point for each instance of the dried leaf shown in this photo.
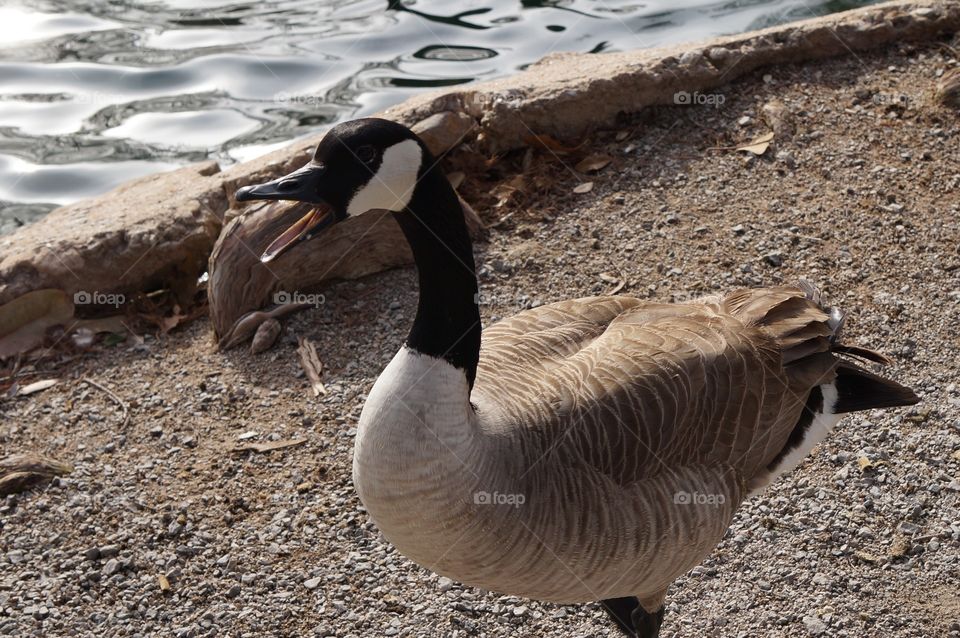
(312, 366)
(505, 190)
(758, 146)
(864, 463)
(164, 583)
(37, 386)
(867, 557)
(585, 187)
(593, 162)
(268, 446)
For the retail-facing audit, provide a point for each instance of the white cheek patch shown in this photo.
(392, 187)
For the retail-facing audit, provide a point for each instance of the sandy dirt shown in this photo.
(860, 194)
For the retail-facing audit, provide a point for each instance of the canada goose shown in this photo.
(588, 450)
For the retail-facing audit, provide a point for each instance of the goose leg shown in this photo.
(632, 618)
(621, 610)
(647, 625)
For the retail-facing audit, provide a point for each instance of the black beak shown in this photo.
(301, 185)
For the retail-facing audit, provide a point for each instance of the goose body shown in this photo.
(589, 450)
(593, 420)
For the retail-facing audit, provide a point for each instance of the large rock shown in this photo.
(153, 231)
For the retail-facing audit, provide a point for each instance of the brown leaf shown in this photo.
(311, 364)
(593, 162)
(505, 190)
(758, 146)
(269, 446)
(864, 463)
(585, 187)
(164, 583)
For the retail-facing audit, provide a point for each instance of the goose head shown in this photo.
(359, 166)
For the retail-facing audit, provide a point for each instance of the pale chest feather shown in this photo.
(415, 440)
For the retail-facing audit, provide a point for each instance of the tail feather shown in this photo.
(859, 389)
(809, 333)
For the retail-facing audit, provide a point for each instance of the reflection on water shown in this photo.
(93, 92)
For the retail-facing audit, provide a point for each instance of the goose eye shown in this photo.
(366, 154)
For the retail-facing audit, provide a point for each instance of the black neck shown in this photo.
(448, 319)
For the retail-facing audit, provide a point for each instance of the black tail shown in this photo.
(859, 389)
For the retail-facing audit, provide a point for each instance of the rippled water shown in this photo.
(93, 93)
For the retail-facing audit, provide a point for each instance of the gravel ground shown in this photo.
(861, 540)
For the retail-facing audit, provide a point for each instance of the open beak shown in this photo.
(304, 228)
(301, 186)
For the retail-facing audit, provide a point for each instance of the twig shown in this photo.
(110, 393)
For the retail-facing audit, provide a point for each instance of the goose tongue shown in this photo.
(317, 218)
